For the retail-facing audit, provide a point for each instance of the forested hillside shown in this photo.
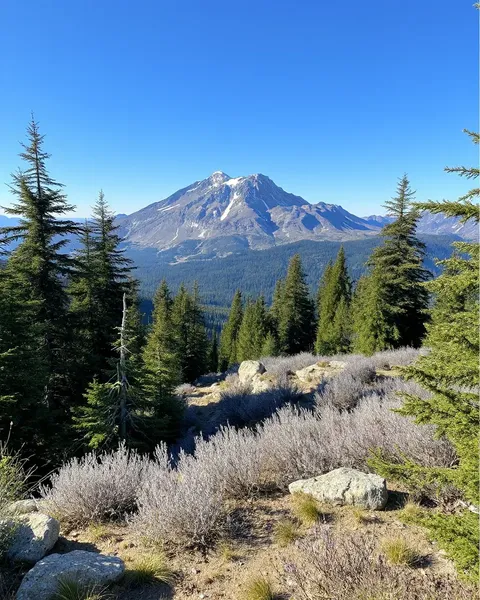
(257, 271)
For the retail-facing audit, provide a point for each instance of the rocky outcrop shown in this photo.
(86, 568)
(34, 534)
(311, 374)
(345, 486)
(249, 369)
(21, 507)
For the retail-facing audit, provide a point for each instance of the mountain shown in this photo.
(221, 215)
(433, 224)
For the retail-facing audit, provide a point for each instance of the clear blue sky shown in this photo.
(333, 100)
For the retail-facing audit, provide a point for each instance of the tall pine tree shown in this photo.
(39, 268)
(253, 331)
(450, 373)
(294, 311)
(398, 277)
(333, 332)
(229, 335)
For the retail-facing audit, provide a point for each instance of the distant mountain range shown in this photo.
(221, 215)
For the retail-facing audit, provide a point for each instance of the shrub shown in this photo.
(149, 569)
(349, 568)
(259, 589)
(281, 366)
(397, 551)
(305, 508)
(240, 406)
(185, 389)
(13, 476)
(285, 532)
(96, 487)
(180, 506)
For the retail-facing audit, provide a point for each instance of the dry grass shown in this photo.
(398, 551)
(285, 532)
(99, 532)
(70, 589)
(259, 588)
(149, 569)
(305, 508)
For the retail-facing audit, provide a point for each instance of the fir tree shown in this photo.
(253, 331)
(398, 277)
(294, 311)
(322, 285)
(111, 272)
(160, 356)
(213, 353)
(23, 372)
(229, 335)
(450, 373)
(191, 341)
(127, 408)
(39, 265)
(333, 333)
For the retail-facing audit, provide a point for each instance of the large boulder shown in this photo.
(345, 486)
(86, 568)
(248, 369)
(34, 534)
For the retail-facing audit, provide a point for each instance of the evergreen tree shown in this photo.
(128, 408)
(398, 278)
(23, 372)
(213, 353)
(253, 331)
(270, 345)
(111, 274)
(190, 335)
(334, 305)
(450, 373)
(38, 265)
(229, 335)
(294, 311)
(322, 285)
(372, 331)
(160, 356)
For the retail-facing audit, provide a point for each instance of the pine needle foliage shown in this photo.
(450, 373)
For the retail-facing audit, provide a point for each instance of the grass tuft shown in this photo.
(305, 508)
(70, 589)
(398, 552)
(412, 511)
(259, 589)
(98, 532)
(149, 569)
(227, 551)
(286, 531)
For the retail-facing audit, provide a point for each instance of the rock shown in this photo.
(337, 364)
(248, 369)
(260, 385)
(21, 507)
(35, 534)
(311, 373)
(86, 568)
(345, 486)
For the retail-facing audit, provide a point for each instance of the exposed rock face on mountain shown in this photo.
(241, 212)
(433, 224)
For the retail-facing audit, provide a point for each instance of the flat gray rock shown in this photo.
(345, 486)
(86, 568)
(34, 535)
(248, 369)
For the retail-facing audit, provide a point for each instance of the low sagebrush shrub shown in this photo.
(348, 567)
(97, 487)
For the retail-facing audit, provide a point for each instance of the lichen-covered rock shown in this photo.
(312, 373)
(85, 568)
(21, 507)
(337, 364)
(345, 486)
(248, 369)
(34, 535)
